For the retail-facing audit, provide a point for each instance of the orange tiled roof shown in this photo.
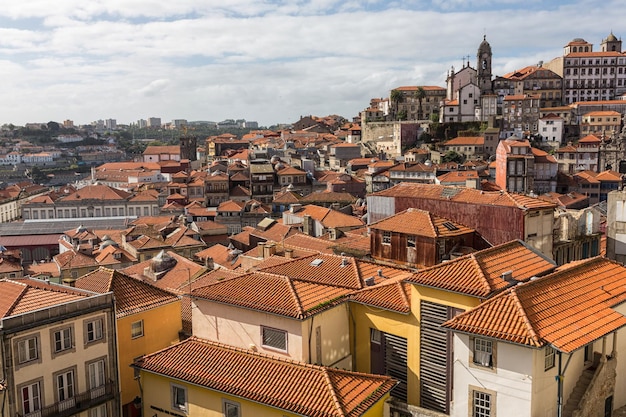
(269, 380)
(24, 295)
(131, 295)
(97, 192)
(466, 140)
(328, 217)
(305, 242)
(72, 259)
(479, 274)
(566, 309)
(469, 195)
(174, 279)
(281, 294)
(393, 295)
(590, 139)
(422, 223)
(340, 271)
(609, 175)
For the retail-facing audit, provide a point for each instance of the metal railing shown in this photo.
(76, 404)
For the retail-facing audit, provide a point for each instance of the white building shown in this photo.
(551, 128)
(547, 347)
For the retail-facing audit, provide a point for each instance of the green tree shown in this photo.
(396, 97)
(452, 156)
(53, 126)
(420, 95)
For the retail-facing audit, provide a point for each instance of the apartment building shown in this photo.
(534, 79)
(600, 123)
(93, 201)
(520, 114)
(60, 351)
(590, 75)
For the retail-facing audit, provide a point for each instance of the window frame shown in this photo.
(549, 358)
(40, 395)
(94, 331)
(386, 238)
(69, 387)
(29, 359)
(482, 410)
(176, 404)
(134, 335)
(228, 403)
(273, 329)
(65, 342)
(480, 344)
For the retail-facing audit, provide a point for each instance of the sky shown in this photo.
(270, 61)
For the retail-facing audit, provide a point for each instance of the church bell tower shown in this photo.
(483, 66)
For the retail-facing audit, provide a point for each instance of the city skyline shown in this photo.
(267, 62)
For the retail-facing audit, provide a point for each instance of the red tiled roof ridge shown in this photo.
(333, 393)
(481, 272)
(524, 317)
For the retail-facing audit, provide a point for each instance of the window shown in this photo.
(65, 385)
(97, 376)
(410, 241)
(93, 330)
(100, 411)
(481, 404)
(549, 358)
(179, 398)
(231, 409)
(27, 350)
(483, 350)
(274, 338)
(63, 339)
(136, 329)
(31, 397)
(386, 238)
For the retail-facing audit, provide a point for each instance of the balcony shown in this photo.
(77, 403)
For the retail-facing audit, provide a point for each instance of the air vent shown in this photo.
(316, 262)
(449, 226)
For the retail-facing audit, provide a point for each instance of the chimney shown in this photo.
(307, 225)
(261, 249)
(289, 253)
(508, 277)
(295, 207)
(380, 273)
(209, 263)
(270, 249)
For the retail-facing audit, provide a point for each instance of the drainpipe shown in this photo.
(559, 395)
(559, 379)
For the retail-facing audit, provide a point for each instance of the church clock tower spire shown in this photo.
(483, 65)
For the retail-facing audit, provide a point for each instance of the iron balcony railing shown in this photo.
(76, 404)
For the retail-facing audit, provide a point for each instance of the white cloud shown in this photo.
(269, 61)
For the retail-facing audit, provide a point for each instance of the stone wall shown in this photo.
(601, 387)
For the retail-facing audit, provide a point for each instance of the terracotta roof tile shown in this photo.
(393, 294)
(566, 309)
(24, 295)
(131, 295)
(441, 192)
(479, 274)
(281, 295)
(174, 279)
(269, 380)
(341, 271)
(422, 223)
